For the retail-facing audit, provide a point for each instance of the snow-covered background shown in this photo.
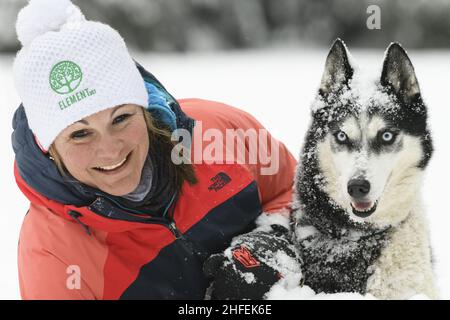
(277, 87)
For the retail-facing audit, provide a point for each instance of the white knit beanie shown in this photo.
(70, 68)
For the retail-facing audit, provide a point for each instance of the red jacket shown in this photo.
(139, 260)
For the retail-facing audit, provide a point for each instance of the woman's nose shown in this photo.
(109, 147)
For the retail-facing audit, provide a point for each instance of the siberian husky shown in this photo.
(359, 221)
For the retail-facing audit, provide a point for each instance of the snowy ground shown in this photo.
(276, 86)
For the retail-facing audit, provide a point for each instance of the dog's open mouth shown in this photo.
(364, 209)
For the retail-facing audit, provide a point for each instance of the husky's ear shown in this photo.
(338, 70)
(398, 74)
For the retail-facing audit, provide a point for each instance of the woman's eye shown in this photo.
(121, 118)
(341, 137)
(79, 134)
(387, 137)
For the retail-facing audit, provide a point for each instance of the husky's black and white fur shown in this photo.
(359, 221)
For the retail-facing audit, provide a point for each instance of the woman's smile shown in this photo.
(115, 168)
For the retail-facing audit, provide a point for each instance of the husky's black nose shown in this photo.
(358, 188)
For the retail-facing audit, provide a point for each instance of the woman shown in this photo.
(111, 215)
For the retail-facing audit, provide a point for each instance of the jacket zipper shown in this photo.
(173, 228)
(169, 212)
(168, 223)
(167, 219)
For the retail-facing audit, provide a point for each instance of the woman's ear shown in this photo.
(56, 158)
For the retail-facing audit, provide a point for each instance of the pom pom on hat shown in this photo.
(41, 16)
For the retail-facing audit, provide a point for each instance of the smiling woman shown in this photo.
(111, 215)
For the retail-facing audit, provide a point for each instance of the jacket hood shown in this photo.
(40, 174)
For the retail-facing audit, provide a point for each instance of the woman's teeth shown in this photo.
(115, 166)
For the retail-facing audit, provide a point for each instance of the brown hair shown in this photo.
(156, 133)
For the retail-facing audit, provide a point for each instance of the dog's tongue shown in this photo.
(362, 206)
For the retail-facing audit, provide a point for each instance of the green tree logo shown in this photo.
(65, 77)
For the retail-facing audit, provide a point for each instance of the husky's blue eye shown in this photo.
(341, 137)
(387, 137)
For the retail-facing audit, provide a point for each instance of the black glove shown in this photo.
(251, 265)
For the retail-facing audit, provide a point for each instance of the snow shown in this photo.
(279, 292)
(305, 232)
(249, 277)
(277, 87)
(285, 290)
(264, 221)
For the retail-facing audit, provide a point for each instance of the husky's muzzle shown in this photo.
(358, 189)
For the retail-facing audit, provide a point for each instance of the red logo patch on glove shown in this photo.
(244, 256)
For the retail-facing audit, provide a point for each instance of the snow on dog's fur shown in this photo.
(359, 220)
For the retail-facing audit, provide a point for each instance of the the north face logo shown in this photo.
(244, 256)
(219, 181)
(65, 77)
